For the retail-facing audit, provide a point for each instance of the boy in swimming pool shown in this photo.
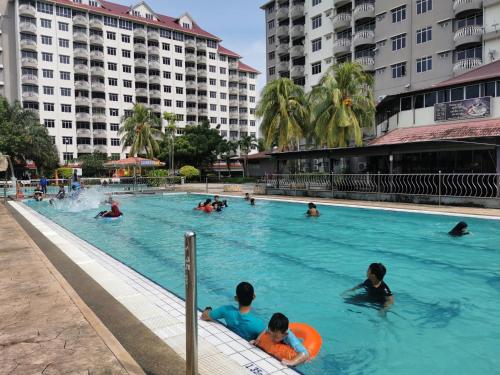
(239, 319)
(279, 332)
(376, 289)
(312, 210)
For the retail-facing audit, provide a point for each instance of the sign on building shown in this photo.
(463, 109)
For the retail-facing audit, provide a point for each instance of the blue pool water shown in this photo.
(447, 290)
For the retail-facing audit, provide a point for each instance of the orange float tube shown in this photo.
(311, 340)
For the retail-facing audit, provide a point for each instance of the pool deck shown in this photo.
(44, 326)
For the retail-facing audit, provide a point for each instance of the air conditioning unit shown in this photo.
(361, 167)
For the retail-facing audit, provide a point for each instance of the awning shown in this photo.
(133, 162)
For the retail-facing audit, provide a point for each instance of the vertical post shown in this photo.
(391, 165)
(206, 184)
(5, 189)
(439, 188)
(498, 171)
(191, 304)
(135, 180)
(331, 180)
(378, 185)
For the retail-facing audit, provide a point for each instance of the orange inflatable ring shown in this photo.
(311, 340)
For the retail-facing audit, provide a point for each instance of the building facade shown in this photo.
(82, 65)
(408, 45)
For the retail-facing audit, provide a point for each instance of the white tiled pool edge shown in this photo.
(220, 351)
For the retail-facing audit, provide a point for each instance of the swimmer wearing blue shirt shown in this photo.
(239, 319)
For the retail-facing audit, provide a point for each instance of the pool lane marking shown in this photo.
(321, 203)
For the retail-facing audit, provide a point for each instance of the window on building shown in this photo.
(127, 68)
(63, 59)
(114, 127)
(178, 77)
(127, 98)
(115, 141)
(398, 14)
(270, 24)
(66, 108)
(48, 123)
(113, 97)
(63, 11)
(46, 40)
(63, 26)
(424, 35)
(67, 124)
(316, 21)
(110, 21)
(213, 81)
(472, 91)
(111, 51)
(272, 71)
(271, 39)
(424, 64)
(424, 6)
(178, 49)
(67, 140)
(179, 90)
(315, 2)
(112, 66)
(126, 53)
(65, 91)
(167, 75)
(110, 35)
(223, 83)
(211, 55)
(316, 44)
(44, 7)
(223, 95)
(68, 156)
(127, 83)
(398, 42)
(316, 67)
(65, 76)
(167, 102)
(113, 112)
(125, 38)
(178, 63)
(63, 43)
(47, 56)
(398, 70)
(47, 24)
(47, 73)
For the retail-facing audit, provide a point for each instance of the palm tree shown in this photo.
(170, 131)
(342, 105)
(247, 143)
(140, 131)
(226, 150)
(284, 112)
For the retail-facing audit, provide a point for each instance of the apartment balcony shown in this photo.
(243, 116)
(465, 65)
(80, 37)
(82, 101)
(96, 24)
(467, 35)
(201, 45)
(28, 44)
(153, 35)
(243, 128)
(342, 21)
(234, 78)
(100, 133)
(82, 85)
(201, 59)
(202, 73)
(190, 57)
(192, 110)
(99, 117)
(82, 132)
(153, 50)
(141, 92)
(81, 69)
(191, 84)
(243, 103)
(297, 31)
(283, 66)
(141, 63)
(81, 53)
(190, 43)
(365, 10)
(29, 62)
(243, 79)
(30, 96)
(234, 103)
(154, 65)
(190, 71)
(140, 33)
(191, 98)
(297, 71)
(297, 11)
(243, 92)
(141, 77)
(80, 20)
(82, 117)
(282, 31)
(282, 49)
(202, 112)
(27, 27)
(97, 71)
(140, 48)
(155, 80)
(97, 86)
(340, 3)
(98, 103)
(460, 6)
(202, 99)
(155, 107)
(202, 86)
(234, 114)
(296, 51)
(84, 148)
(368, 63)
(234, 65)
(234, 90)
(156, 94)
(282, 13)
(101, 148)
(97, 55)
(27, 10)
(97, 40)
(363, 37)
(234, 127)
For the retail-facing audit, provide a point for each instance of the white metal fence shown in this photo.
(437, 184)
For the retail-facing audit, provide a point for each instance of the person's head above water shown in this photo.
(459, 230)
(376, 272)
(252, 201)
(208, 201)
(278, 327)
(216, 197)
(244, 294)
(311, 205)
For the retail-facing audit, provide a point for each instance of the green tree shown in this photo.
(93, 164)
(342, 104)
(24, 138)
(247, 143)
(140, 131)
(169, 138)
(261, 144)
(227, 150)
(189, 172)
(284, 111)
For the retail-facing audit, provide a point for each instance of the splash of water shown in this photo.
(87, 199)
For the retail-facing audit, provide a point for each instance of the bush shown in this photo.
(189, 172)
(64, 172)
(156, 177)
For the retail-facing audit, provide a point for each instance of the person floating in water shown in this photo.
(38, 194)
(459, 230)
(239, 319)
(312, 211)
(377, 291)
(205, 207)
(247, 197)
(218, 205)
(114, 212)
(61, 194)
(280, 334)
(252, 201)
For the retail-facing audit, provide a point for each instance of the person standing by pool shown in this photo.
(376, 289)
(239, 319)
(312, 211)
(43, 184)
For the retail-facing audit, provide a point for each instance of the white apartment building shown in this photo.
(82, 64)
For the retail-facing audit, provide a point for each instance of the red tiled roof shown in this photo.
(456, 130)
(118, 10)
(227, 52)
(257, 156)
(247, 68)
(491, 70)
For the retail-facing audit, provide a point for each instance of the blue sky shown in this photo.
(239, 23)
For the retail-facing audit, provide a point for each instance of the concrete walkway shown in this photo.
(45, 328)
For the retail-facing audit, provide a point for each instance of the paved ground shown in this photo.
(43, 329)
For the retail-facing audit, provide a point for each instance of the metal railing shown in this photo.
(466, 185)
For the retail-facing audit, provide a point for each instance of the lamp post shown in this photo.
(66, 142)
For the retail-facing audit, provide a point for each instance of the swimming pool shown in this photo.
(447, 290)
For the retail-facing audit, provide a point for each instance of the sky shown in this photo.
(239, 23)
